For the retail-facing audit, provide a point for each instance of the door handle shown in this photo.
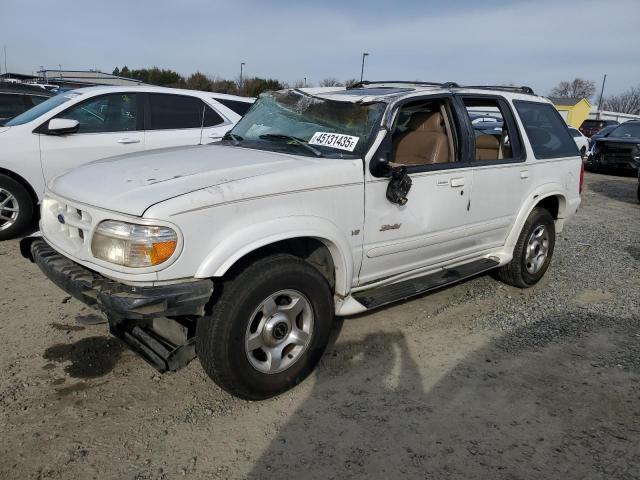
(524, 174)
(126, 141)
(457, 182)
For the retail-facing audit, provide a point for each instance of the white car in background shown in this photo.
(88, 124)
(582, 142)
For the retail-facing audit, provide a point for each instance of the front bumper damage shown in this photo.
(157, 322)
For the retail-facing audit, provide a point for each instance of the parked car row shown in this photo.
(88, 124)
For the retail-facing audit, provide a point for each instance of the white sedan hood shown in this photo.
(131, 184)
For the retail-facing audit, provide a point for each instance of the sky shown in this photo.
(535, 43)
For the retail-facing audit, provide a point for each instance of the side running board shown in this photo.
(377, 297)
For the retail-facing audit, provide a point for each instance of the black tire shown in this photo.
(25, 206)
(220, 337)
(515, 272)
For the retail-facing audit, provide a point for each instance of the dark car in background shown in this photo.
(602, 133)
(16, 98)
(619, 149)
(592, 126)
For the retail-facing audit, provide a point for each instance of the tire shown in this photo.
(243, 317)
(16, 208)
(523, 271)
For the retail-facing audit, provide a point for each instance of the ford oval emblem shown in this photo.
(61, 218)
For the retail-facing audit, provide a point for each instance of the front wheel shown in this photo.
(269, 327)
(16, 208)
(533, 251)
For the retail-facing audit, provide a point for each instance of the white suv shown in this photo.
(319, 202)
(88, 124)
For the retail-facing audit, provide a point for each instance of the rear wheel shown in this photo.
(533, 251)
(269, 327)
(16, 208)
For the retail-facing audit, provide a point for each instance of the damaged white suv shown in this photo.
(319, 202)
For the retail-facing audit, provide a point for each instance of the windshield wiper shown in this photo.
(294, 140)
(232, 136)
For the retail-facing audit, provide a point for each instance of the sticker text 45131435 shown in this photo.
(334, 140)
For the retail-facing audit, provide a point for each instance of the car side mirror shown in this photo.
(399, 185)
(62, 126)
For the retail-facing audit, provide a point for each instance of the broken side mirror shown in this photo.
(399, 185)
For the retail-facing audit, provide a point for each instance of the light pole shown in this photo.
(601, 93)
(365, 54)
(305, 82)
(242, 64)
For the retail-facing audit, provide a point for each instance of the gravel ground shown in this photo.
(479, 380)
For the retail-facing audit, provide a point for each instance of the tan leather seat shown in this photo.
(425, 143)
(487, 147)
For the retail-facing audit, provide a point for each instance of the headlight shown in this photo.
(132, 245)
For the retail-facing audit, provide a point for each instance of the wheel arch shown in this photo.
(325, 249)
(553, 200)
(22, 181)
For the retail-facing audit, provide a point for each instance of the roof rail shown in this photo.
(365, 83)
(506, 88)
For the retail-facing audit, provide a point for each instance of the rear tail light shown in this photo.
(581, 176)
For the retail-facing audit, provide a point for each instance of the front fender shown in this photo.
(249, 239)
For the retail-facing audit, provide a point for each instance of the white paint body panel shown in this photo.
(228, 201)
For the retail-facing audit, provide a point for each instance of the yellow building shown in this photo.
(574, 110)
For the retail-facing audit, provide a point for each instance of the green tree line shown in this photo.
(249, 87)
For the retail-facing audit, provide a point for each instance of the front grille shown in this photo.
(65, 223)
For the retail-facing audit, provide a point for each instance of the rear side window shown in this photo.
(239, 107)
(592, 123)
(496, 137)
(170, 112)
(547, 132)
(211, 117)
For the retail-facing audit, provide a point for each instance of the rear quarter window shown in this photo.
(235, 105)
(547, 132)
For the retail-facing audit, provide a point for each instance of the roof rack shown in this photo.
(522, 89)
(365, 83)
(505, 88)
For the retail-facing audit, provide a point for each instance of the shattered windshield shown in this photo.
(295, 122)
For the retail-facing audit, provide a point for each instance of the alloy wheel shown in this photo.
(279, 331)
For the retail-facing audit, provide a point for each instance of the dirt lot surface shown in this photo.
(476, 381)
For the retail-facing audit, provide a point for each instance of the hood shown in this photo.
(132, 183)
(611, 140)
(3, 129)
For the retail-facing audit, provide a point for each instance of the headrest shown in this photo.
(488, 142)
(427, 121)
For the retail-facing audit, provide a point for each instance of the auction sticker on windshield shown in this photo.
(334, 140)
